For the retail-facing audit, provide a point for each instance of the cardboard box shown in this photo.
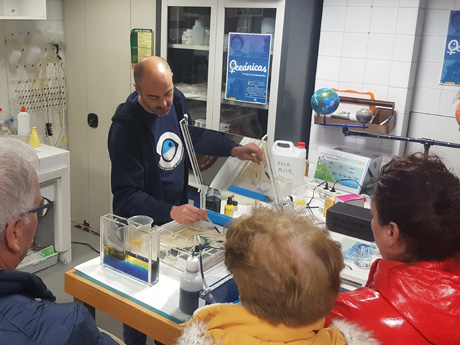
(383, 111)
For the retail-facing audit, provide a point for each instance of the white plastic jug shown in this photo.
(289, 161)
(23, 122)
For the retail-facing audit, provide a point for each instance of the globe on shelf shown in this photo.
(325, 101)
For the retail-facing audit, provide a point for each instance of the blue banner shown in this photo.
(451, 67)
(248, 67)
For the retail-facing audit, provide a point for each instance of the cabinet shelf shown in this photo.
(187, 46)
(196, 97)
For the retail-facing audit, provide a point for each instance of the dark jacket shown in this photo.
(29, 315)
(135, 179)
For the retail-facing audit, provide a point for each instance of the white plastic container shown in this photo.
(198, 33)
(23, 122)
(289, 161)
(190, 286)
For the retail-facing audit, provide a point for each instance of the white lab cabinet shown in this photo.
(23, 9)
(55, 228)
(200, 70)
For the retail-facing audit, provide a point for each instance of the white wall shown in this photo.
(24, 29)
(394, 49)
(433, 108)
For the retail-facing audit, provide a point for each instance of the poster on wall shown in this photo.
(141, 45)
(248, 67)
(450, 74)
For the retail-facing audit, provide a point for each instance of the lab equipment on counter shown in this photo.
(23, 122)
(190, 286)
(130, 247)
(34, 141)
(289, 160)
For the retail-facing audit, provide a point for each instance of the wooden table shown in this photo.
(95, 296)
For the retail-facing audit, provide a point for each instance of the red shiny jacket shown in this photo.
(407, 303)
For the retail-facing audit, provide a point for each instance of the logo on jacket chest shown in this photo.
(171, 151)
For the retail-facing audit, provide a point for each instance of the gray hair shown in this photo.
(18, 162)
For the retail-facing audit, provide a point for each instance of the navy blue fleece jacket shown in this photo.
(29, 315)
(135, 179)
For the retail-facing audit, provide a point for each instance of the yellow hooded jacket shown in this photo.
(233, 324)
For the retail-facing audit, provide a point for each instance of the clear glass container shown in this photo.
(130, 247)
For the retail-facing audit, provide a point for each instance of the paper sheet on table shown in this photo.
(163, 296)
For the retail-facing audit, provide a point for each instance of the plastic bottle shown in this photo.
(198, 33)
(213, 200)
(11, 124)
(190, 286)
(290, 160)
(229, 208)
(23, 122)
(34, 141)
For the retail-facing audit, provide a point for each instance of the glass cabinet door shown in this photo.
(244, 100)
(187, 47)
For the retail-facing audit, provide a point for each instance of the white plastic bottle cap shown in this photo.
(192, 264)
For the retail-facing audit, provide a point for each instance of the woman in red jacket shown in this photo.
(412, 295)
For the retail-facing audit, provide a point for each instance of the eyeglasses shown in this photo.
(42, 209)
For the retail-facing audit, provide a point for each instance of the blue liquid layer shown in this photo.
(133, 265)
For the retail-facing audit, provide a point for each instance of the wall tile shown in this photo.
(355, 45)
(426, 100)
(359, 3)
(380, 91)
(328, 68)
(320, 136)
(440, 5)
(400, 72)
(330, 43)
(409, 3)
(403, 48)
(384, 20)
(380, 46)
(335, 3)
(438, 128)
(352, 70)
(432, 49)
(399, 95)
(385, 3)
(448, 102)
(340, 140)
(377, 72)
(407, 21)
(350, 86)
(333, 19)
(428, 74)
(319, 84)
(436, 22)
(358, 19)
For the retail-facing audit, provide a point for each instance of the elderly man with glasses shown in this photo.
(28, 312)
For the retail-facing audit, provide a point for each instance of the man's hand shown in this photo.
(249, 152)
(188, 214)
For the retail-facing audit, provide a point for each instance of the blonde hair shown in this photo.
(287, 269)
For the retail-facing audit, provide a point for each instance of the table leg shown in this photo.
(91, 309)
